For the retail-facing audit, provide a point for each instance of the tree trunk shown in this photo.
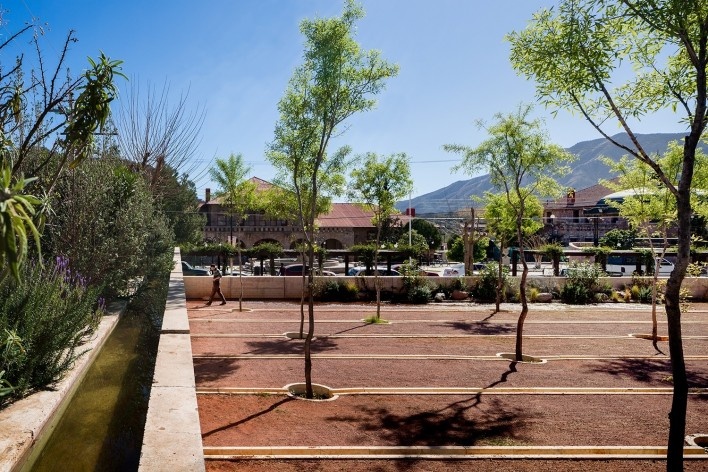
(240, 279)
(556, 264)
(679, 403)
(524, 303)
(376, 273)
(311, 323)
(500, 277)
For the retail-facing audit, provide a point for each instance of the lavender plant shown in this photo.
(50, 312)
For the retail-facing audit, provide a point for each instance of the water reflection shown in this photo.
(102, 428)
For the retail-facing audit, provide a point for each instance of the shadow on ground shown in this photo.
(481, 327)
(650, 371)
(289, 346)
(211, 370)
(271, 408)
(461, 423)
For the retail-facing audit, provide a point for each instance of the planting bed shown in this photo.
(444, 346)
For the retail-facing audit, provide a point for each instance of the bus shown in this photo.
(628, 264)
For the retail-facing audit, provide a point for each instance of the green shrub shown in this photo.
(533, 294)
(419, 295)
(644, 294)
(574, 293)
(582, 284)
(486, 288)
(416, 286)
(45, 319)
(333, 290)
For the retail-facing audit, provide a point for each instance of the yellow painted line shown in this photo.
(458, 391)
(432, 336)
(430, 357)
(474, 322)
(451, 452)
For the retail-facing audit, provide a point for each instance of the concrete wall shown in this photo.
(276, 288)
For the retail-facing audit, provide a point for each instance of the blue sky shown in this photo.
(234, 57)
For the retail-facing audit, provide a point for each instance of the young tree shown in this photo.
(501, 217)
(238, 195)
(379, 184)
(649, 207)
(336, 80)
(426, 229)
(521, 163)
(576, 52)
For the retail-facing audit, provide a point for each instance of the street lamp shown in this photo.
(596, 229)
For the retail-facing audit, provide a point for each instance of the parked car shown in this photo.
(294, 269)
(357, 271)
(187, 269)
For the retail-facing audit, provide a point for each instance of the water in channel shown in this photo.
(102, 428)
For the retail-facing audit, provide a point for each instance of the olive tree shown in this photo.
(613, 62)
(335, 81)
(521, 164)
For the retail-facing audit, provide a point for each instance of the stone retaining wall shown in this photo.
(276, 287)
(172, 439)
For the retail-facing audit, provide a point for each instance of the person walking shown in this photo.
(216, 285)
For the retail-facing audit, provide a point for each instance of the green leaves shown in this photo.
(335, 81)
(16, 222)
(380, 182)
(92, 108)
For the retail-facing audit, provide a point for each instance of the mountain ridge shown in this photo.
(587, 170)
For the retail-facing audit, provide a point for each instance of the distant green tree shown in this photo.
(619, 238)
(378, 184)
(238, 196)
(179, 202)
(457, 249)
(418, 247)
(428, 230)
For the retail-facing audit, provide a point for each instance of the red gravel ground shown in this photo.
(585, 347)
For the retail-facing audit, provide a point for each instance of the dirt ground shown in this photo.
(448, 345)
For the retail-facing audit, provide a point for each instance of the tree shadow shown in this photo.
(363, 325)
(482, 327)
(461, 423)
(273, 407)
(650, 371)
(289, 346)
(457, 424)
(211, 370)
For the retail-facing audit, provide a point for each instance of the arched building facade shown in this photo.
(345, 225)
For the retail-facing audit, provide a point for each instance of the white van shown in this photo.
(626, 264)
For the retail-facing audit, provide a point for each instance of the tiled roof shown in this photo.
(346, 215)
(350, 215)
(584, 198)
(341, 215)
(261, 185)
